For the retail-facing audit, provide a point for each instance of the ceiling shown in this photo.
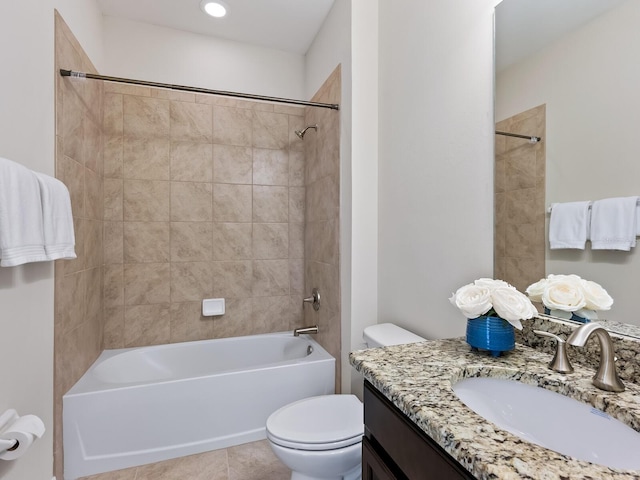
(287, 25)
(524, 27)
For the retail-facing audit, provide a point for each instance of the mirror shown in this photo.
(575, 58)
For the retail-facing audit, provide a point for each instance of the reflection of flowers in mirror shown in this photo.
(489, 297)
(565, 295)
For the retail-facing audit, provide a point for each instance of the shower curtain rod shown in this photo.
(531, 138)
(93, 76)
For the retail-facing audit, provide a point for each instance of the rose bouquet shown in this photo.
(568, 295)
(489, 297)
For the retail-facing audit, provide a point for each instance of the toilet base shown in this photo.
(355, 474)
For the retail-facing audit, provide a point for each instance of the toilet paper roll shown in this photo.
(24, 429)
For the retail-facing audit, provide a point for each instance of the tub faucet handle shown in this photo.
(560, 361)
(314, 299)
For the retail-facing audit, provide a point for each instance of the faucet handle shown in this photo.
(560, 361)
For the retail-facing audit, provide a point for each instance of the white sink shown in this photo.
(553, 421)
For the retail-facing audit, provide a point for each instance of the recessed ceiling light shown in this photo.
(215, 9)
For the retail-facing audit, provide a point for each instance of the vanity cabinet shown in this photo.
(394, 448)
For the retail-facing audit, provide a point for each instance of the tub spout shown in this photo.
(312, 329)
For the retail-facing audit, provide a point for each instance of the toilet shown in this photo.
(320, 438)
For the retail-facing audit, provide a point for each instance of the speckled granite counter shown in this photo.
(417, 378)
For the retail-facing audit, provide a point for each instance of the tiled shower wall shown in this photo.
(78, 320)
(519, 200)
(204, 198)
(322, 234)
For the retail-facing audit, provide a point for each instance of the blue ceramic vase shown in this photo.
(493, 334)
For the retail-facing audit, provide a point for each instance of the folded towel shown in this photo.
(21, 234)
(59, 238)
(613, 223)
(569, 225)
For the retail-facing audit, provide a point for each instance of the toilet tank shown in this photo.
(387, 334)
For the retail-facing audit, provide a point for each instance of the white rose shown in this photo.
(492, 284)
(596, 297)
(472, 300)
(512, 305)
(564, 292)
(535, 290)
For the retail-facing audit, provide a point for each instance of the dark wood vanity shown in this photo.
(394, 448)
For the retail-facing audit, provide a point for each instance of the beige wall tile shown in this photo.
(191, 202)
(270, 167)
(191, 281)
(146, 283)
(93, 195)
(296, 240)
(113, 285)
(93, 253)
(146, 325)
(146, 242)
(113, 199)
(191, 162)
(271, 314)
(146, 201)
(232, 126)
(270, 241)
(191, 241)
(296, 168)
(323, 199)
(296, 204)
(113, 123)
(232, 241)
(296, 276)
(127, 89)
(270, 204)
(232, 164)
(113, 163)
(270, 130)
(232, 279)
(145, 117)
(188, 324)
(270, 278)
(146, 158)
(173, 95)
(236, 321)
(71, 173)
(191, 122)
(113, 242)
(232, 203)
(70, 301)
(322, 242)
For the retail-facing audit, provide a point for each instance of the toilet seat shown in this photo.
(327, 422)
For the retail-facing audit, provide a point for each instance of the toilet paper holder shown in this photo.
(6, 419)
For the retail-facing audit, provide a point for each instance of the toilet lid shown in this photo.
(318, 423)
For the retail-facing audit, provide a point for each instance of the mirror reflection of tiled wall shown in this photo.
(519, 242)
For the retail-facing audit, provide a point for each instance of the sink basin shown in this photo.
(553, 421)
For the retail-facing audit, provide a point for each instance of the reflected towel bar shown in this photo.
(531, 138)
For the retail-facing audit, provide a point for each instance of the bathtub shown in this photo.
(142, 405)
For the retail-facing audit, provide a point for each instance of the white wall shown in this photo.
(590, 86)
(349, 37)
(435, 159)
(26, 292)
(159, 54)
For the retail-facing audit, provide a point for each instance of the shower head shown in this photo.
(300, 133)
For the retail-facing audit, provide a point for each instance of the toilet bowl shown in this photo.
(320, 438)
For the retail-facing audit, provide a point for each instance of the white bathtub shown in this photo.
(142, 405)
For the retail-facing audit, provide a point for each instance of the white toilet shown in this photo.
(320, 438)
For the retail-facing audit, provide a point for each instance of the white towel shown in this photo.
(569, 225)
(613, 223)
(59, 238)
(21, 234)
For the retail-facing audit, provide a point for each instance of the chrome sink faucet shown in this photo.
(606, 378)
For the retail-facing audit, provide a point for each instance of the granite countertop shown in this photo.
(417, 378)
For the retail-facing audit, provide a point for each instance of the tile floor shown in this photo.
(251, 461)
